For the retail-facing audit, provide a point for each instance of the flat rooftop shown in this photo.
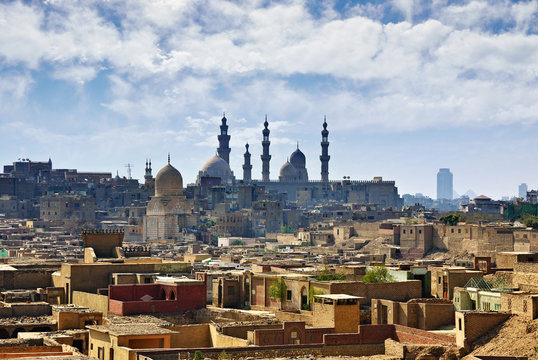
(131, 329)
(339, 297)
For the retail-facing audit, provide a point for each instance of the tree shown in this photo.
(238, 242)
(313, 292)
(451, 220)
(328, 275)
(531, 221)
(198, 355)
(378, 274)
(286, 229)
(277, 290)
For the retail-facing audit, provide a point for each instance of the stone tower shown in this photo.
(265, 155)
(325, 152)
(147, 176)
(247, 167)
(224, 141)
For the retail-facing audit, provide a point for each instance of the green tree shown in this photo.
(313, 292)
(531, 221)
(451, 220)
(198, 355)
(328, 275)
(378, 274)
(286, 229)
(238, 242)
(277, 290)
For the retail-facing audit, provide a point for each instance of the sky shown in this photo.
(407, 86)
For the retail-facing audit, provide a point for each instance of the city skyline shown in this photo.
(413, 87)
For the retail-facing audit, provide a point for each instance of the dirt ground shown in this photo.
(516, 337)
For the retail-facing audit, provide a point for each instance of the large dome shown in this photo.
(168, 181)
(297, 159)
(217, 167)
(288, 172)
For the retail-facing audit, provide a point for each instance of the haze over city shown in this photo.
(408, 87)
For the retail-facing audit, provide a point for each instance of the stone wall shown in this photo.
(91, 301)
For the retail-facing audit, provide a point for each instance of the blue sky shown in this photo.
(407, 86)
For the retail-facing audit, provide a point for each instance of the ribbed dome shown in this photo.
(298, 159)
(288, 171)
(168, 181)
(217, 167)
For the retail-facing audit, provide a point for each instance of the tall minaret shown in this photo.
(247, 167)
(265, 155)
(324, 152)
(224, 141)
(148, 178)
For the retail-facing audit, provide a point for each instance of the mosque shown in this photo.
(169, 211)
(293, 177)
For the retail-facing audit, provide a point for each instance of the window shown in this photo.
(420, 231)
(288, 295)
(497, 307)
(404, 231)
(459, 324)
(452, 231)
(411, 231)
(459, 231)
(439, 280)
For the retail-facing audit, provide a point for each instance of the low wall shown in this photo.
(305, 316)
(267, 351)
(225, 341)
(91, 301)
(416, 336)
(241, 332)
(190, 336)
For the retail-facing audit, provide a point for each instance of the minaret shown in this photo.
(325, 152)
(147, 176)
(247, 167)
(224, 141)
(265, 155)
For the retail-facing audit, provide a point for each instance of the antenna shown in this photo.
(129, 167)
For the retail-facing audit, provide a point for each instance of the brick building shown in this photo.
(166, 296)
(426, 314)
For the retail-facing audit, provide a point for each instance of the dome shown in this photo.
(288, 172)
(168, 181)
(298, 159)
(217, 167)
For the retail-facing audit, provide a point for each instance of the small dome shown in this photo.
(298, 159)
(288, 172)
(217, 167)
(168, 181)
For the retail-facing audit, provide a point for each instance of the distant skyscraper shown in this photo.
(522, 191)
(444, 184)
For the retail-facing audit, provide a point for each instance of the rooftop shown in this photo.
(131, 329)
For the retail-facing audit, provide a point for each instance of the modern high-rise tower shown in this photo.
(266, 158)
(325, 152)
(522, 191)
(224, 141)
(444, 184)
(247, 167)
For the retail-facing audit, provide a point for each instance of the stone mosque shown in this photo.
(168, 211)
(293, 178)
